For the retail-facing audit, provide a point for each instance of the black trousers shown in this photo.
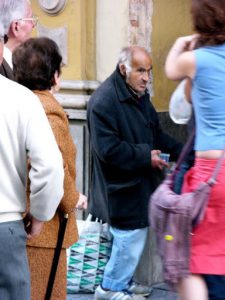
(216, 286)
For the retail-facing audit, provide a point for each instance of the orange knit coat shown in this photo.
(39, 260)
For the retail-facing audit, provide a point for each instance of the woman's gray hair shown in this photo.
(125, 58)
(11, 10)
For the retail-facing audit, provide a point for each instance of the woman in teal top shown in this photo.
(205, 66)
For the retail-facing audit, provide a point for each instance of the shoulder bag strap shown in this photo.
(186, 149)
(212, 179)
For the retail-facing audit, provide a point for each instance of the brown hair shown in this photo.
(35, 62)
(209, 21)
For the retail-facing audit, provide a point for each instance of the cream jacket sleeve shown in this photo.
(46, 173)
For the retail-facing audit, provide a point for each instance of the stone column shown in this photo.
(140, 27)
(140, 23)
(111, 34)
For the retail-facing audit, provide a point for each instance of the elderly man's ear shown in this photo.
(122, 69)
(14, 29)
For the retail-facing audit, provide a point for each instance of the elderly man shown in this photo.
(126, 141)
(22, 23)
(25, 134)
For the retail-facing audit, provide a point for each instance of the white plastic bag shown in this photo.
(179, 107)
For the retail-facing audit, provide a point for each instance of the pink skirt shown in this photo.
(208, 239)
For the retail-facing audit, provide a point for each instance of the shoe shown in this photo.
(101, 294)
(139, 289)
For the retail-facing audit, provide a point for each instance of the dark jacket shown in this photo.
(6, 70)
(123, 131)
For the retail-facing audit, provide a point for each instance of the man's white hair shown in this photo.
(125, 58)
(11, 10)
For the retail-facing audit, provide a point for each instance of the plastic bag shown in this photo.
(87, 258)
(179, 107)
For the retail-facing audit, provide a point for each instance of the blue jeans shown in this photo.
(126, 252)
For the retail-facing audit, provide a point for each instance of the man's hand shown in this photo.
(186, 43)
(156, 161)
(82, 202)
(32, 226)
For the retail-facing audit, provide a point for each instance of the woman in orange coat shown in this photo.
(37, 65)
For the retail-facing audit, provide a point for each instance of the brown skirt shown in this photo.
(40, 262)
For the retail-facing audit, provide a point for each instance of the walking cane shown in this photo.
(61, 233)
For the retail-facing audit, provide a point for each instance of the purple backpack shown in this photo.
(173, 217)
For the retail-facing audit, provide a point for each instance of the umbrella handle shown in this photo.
(61, 233)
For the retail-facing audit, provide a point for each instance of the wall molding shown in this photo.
(80, 85)
(72, 101)
(52, 7)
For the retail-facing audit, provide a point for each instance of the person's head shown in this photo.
(5, 21)
(37, 63)
(21, 19)
(135, 65)
(209, 21)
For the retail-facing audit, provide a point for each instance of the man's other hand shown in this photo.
(156, 161)
(32, 226)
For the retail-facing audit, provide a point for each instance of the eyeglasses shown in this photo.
(33, 19)
(4, 39)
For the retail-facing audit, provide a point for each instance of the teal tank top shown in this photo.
(208, 97)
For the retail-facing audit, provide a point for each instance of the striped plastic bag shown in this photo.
(86, 259)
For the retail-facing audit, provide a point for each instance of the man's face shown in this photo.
(27, 26)
(23, 27)
(139, 76)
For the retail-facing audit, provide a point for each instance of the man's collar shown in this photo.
(7, 54)
(134, 93)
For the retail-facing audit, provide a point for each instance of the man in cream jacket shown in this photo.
(25, 134)
(22, 22)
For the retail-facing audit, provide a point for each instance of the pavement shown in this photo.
(159, 292)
